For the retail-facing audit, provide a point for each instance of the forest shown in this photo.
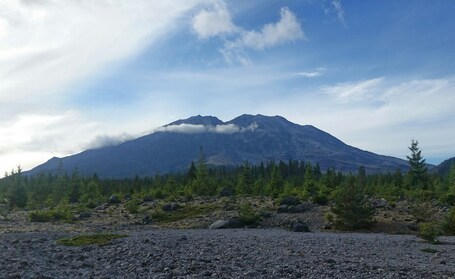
(273, 179)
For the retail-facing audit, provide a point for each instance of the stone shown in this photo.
(147, 199)
(113, 199)
(298, 208)
(282, 208)
(413, 227)
(84, 215)
(290, 200)
(299, 227)
(227, 224)
(379, 203)
(147, 220)
(226, 192)
(168, 207)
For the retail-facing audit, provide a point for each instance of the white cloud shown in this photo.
(217, 22)
(287, 29)
(347, 92)
(337, 10)
(308, 74)
(49, 47)
(198, 129)
(214, 22)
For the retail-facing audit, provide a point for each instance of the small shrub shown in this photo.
(51, 215)
(248, 216)
(449, 223)
(429, 232)
(100, 239)
(351, 208)
(132, 206)
(321, 199)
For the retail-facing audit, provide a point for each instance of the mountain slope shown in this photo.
(443, 168)
(252, 138)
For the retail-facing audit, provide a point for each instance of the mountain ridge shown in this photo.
(252, 138)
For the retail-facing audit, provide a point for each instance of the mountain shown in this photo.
(252, 138)
(443, 168)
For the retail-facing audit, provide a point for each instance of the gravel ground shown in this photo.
(237, 253)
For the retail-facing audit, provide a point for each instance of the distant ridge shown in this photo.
(252, 138)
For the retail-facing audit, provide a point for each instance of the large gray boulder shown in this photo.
(168, 207)
(227, 224)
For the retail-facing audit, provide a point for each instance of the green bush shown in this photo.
(351, 207)
(248, 216)
(51, 215)
(132, 206)
(429, 232)
(449, 223)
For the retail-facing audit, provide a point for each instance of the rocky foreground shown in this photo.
(230, 253)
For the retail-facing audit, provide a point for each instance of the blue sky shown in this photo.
(80, 74)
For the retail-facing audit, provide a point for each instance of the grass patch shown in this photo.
(51, 215)
(81, 240)
(429, 250)
(187, 212)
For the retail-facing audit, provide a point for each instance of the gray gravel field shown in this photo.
(236, 253)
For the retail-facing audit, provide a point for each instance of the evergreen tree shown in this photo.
(418, 169)
(351, 207)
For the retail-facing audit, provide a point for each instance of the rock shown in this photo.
(290, 200)
(84, 215)
(226, 192)
(147, 199)
(298, 208)
(227, 224)
(379, 203)
(113, 200)
(168, 207)
(228, 207)
(413, 227)
(147, 220)
(282, 208)
(299, 227)
(127, 197)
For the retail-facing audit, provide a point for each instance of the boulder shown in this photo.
(113, 199)
(147, 220)
(290, 200)
(226, 192)
(147, 199)
(299, 227)
(379, 203)
(170, 207)
(227, 224)
(282, 208)
(84, 215)
(298, 208)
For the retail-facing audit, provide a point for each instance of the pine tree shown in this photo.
(418, 169)
(351, 207)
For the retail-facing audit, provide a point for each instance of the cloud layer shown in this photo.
(198, 129)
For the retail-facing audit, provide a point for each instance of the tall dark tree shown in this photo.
(418, 168)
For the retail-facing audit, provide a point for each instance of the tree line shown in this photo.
(274, 179)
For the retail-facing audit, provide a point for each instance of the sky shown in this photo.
(83, 74)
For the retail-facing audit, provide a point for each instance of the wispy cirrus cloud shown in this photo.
(348, 92)
(336, 10)
(309, 74)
